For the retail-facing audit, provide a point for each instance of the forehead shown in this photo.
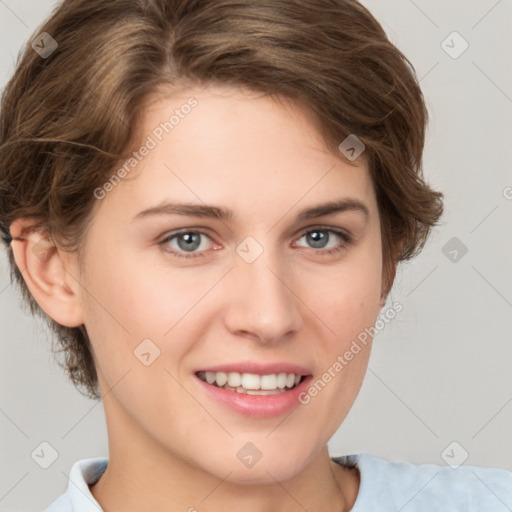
(252, 153)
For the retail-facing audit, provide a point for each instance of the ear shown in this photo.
(49, 273)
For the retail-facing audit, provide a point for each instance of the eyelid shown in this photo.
(170, 234)
(324, 227)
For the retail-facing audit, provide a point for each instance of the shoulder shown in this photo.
(387, 485)
(78, 496)
(61, 504)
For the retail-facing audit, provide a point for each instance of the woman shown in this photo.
(208, 202)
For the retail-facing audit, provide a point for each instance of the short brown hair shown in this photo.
(68, 119)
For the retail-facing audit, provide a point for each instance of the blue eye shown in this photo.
(188, 242)
(320, 237)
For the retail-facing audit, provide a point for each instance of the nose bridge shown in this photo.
(262, 303)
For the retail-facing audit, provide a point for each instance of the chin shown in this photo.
(261, 474)
(277, 464)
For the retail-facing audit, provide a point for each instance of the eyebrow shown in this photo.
(224, 214)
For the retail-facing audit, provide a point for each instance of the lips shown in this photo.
(254, 389)
(254, 406)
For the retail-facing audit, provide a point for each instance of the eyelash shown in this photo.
(346, 240)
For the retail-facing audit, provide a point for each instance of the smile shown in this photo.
(252, 383)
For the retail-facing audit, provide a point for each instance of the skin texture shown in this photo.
(171, 446)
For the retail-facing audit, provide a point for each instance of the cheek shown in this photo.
(131, 296)
(130, 302)
(347, 297)
(348, 306)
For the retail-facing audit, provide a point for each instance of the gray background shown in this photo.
(440, 372)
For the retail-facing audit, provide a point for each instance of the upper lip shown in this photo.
(257, 368)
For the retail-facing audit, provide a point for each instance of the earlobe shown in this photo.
(44, 270)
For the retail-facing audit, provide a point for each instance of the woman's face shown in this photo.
(172, 288)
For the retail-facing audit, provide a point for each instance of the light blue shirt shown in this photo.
(385, 487)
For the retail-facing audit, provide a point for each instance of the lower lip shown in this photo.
(257, 406)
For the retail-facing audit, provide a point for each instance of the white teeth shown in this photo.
(268, 382)
(221, 378)
(244, 391)
(234, 379)
(252, 383)
(281, 380)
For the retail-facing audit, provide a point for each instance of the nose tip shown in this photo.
(262, 303)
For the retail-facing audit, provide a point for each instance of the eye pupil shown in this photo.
(318, 238)
(192, 241)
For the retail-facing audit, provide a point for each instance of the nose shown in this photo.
(261, 302)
